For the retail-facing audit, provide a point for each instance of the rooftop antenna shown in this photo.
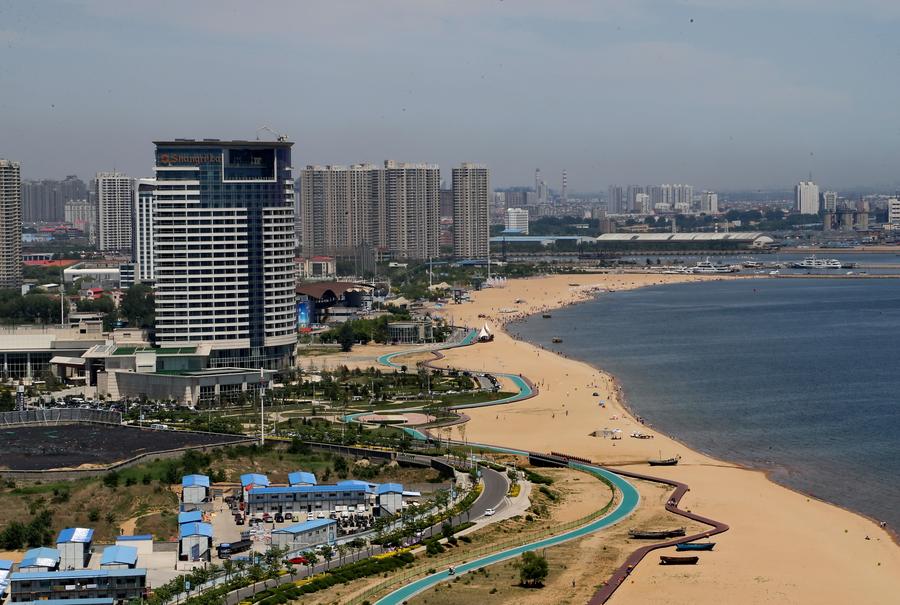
(278, 136)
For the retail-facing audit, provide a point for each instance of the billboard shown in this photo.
(303, 313)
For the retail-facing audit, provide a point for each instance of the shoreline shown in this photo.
(762, 513)
(623, 402)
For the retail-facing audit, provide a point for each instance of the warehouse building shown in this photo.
(74, 546)
(119, 557)
(194, 489)
(252, 481)
(389, 497)
(194, 516)
(305, 535)
(40, 559)
(117, 584)
(195, 541)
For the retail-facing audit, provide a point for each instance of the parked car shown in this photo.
(288, 516)
(267, 518)
(239, 519)
(298, 560)
(320, 514)
(279, 518)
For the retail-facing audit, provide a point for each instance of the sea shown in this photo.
(799, 377)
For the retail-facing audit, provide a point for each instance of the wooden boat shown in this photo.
(655, 535)
(695, 546)
(664, 461)
(664, 560)
(546, 316)
(557, 339)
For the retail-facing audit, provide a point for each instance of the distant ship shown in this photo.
(752, 264)
(557, 339)
(811, 262)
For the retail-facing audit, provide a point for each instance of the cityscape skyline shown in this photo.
(585, 78)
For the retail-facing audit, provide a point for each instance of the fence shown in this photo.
(59, 415)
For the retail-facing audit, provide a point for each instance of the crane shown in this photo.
(278, 136)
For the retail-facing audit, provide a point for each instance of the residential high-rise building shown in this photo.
(517, 220)
(471, 221)
(829, 201)
(224, 250)
(394, 208)
(540, 187)
(642, 203)
(709, 202)
(893, 206)
(115, 211)
(565, 186)
(446, 203)
(615, 203)
(10, 224)
(144, 207)
(631, 194)
(806, 197)
(82, 214)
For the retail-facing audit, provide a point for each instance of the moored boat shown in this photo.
(546, 316)
(664, 461)
(556, 339)
(664, 560)
(695, 546)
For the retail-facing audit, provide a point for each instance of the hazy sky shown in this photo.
(717, 93)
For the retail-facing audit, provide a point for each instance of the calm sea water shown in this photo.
(799, 377)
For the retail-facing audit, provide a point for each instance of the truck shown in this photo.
(226, 549)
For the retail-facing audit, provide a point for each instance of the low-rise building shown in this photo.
(389, 498)
(301, 478)
(195, 541)
(194, 489)
(305, 535)
(410, 332)
(194, 516)
(74, 546)
(119, 557)
(117, 584)
(40, 559)
(5, 570)
(307, 498)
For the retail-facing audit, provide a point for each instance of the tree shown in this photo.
(138, 306)
(311, 560)
(346, 337)
(533, 569)
(327, 554)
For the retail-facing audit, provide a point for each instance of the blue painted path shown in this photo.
(629, 502)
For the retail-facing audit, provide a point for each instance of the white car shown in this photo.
(489, 512)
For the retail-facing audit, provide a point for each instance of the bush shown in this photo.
(537, 477)
(550, 494)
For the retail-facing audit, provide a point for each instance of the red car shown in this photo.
(298, 560)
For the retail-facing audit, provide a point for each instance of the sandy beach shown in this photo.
(784, 547)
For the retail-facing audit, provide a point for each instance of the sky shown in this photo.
(722, 94)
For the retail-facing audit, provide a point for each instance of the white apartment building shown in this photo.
(806, 197)
(115, 211)
(471, 221)
(709, 202)
(517, 220)
(829, 201)
(144, 208)
(893, 206)
(642, 203)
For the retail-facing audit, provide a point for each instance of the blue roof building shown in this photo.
(194, 516)
(307, 498)
(80, 585)
(119, 556)
(195, 529)
(43, 557)
(302, 478)
(74, 545)
(82, 535)
(389, 488)
(305, 535)
(195, 480)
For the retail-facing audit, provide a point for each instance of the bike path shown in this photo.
(629, 502)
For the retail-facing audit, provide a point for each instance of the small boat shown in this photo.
(557, 339)
(664, 461)
(546, 316)
(695, 546)
(664, 560)
(655, 535)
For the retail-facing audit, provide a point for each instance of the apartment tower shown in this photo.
(471, 223)
(115, 211)
(10, 224)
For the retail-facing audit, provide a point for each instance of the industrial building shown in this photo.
(307, 498)
(118, 584)
(194, 489)
(74, 546)
(306, 535)
(195, 541)
(119, 557)
(740, 240)
(389, 497)
(194, 516)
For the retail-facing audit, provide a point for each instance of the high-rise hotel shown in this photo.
(223, 250)
(10, 224)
